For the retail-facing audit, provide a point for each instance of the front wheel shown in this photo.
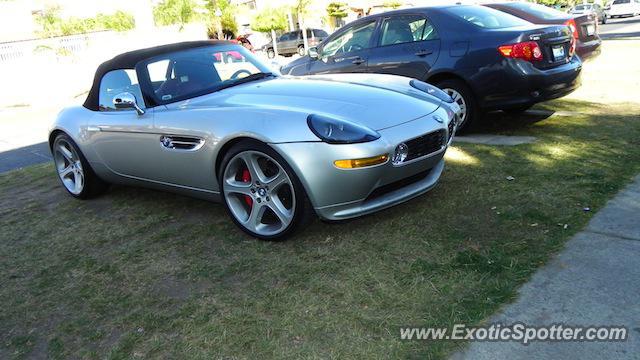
(462, 95)
(261, 192)
(74, 170)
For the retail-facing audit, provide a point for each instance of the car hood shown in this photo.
(372, 100)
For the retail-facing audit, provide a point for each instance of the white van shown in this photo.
(618, 8)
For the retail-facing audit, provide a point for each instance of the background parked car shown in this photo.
(620, 8)
(583, 27)
(292, 42)
(586, 9)
(485, 59)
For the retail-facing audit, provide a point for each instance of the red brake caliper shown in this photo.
(246, 177)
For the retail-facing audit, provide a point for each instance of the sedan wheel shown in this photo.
(261, 193)
(69, 166)
(462, 95)
(457, 97)
(301, 51)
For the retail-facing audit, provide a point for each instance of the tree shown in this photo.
(337, 10)
(270, 20)
(392, 4)
(170, 12)
(302, 9)
(222, 14)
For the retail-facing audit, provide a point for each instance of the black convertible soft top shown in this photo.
(129, 60)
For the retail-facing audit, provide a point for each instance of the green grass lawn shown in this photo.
(138, 273)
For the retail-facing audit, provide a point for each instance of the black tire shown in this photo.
(469, 99)
(302, 208)
(517, 110)
(93, 185)
(301, 50)
(604, 19)
(271, 54)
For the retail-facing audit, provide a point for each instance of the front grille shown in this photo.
(385, 189)
(425, 144)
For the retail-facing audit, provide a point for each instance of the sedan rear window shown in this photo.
(539, 11)
(485, 17)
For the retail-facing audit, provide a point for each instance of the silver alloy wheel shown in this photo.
(265, 203)
(69, 166)
(457, 97)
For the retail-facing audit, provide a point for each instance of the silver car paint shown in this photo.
(123, 147)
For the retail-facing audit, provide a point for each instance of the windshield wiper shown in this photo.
(246, 79)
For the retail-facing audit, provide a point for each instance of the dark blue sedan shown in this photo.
(485, 59)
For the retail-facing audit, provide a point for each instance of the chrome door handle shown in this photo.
(358, 61)
(181, 143)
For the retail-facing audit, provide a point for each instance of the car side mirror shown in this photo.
(313, 53)
(127, 100)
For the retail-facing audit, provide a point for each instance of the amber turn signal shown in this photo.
(359, 163)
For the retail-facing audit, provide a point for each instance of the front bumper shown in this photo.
(338, 194)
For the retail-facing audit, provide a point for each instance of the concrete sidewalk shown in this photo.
(594, 281)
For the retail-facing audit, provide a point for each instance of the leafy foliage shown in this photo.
(52, 25)
(337, 9)
(270, 19)
(227, 20)
(170, 12)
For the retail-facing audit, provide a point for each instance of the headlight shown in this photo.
(335, 131)
(431, 90)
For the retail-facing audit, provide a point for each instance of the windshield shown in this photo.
(539, 11)
(485, 17)
(190, 73)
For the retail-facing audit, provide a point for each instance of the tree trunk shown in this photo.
(274, 40)
(305, 41)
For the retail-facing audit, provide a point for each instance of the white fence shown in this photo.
(57, 70)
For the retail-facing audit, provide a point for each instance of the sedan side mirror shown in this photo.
(313, 52)
(127, 100)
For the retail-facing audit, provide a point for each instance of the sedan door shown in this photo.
(348, 52)
(408, 46)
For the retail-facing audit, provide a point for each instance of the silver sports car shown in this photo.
(208, 119)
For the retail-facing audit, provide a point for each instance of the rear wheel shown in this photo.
(271, 53)
(301, 50)
(74, 170)
(463, 96)
(261, 192)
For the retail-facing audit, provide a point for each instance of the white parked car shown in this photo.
(619, 8)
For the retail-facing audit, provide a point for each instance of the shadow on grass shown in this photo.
(178, 268)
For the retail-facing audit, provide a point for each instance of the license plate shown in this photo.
(591, 29)
(558, 52)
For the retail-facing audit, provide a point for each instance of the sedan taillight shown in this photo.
(573, 27)
(528, 50)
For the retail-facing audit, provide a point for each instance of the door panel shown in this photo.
(125, 142)
(348, 52)
(408, 46)
(183, 153)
